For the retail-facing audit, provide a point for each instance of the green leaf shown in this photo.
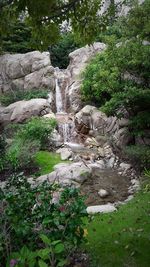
(59, 248)
(44, 253)
(24, 252)
(55, 242)
(62, 263)
(42, 263)
(45, 239)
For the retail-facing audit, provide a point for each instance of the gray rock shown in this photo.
(65, 153)
(125, 166)
(101, 209)
(23, 110)
(67, 174)
(80, 57)
(103, 193)
(110, 163)
(26, 71)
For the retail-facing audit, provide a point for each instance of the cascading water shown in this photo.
(59, 102)
(65, 122)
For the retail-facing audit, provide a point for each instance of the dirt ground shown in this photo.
(110, 180)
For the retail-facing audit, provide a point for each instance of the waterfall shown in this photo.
(65, 121)
(59, 103)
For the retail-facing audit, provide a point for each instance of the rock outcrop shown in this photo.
(28, 71)
(91, 121)
(67, 174)
(23, 110)
(78, 62)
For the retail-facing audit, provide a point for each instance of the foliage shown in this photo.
(45, 18)
(8, 98)
(2, 152)
(30, 138)
(46, 161)
(139, 154)
(123, 235)
(20, 154)
(27, 212)
(119, 77)
(19, 40)
(60, 51)
(53, 253)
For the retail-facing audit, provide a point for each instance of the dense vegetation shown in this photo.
(118, 79)
(26, 140)
(35, 229)
(45, 18)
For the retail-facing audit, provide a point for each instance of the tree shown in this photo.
(46, 16)
(119, 77)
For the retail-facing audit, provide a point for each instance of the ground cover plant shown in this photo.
(8, 98)
(36, 230)
(46, 161)
(122, 238)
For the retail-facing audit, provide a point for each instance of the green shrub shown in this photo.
(27, 212)
(30, 138)
(139, 154)
(119, 77)
(37, 129)
(2, 152)
(11, 97)
(21, 154)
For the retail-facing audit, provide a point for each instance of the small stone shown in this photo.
(110, 163)
(101, 209)
(125, 166)
(103, 193)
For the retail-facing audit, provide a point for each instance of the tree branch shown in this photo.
(62, 10)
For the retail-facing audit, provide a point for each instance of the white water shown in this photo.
(65, 125)
(59, 103)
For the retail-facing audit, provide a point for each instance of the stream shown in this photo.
(117, 184)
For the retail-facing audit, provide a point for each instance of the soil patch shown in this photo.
(110, 180)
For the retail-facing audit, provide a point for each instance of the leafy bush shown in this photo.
(11, 97)
(21, 154)
(27, 212)
(119, 77)
(140, 155)
(2, 152)
(30, 138)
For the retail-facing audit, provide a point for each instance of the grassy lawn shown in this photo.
(46, 161)
(122, 238)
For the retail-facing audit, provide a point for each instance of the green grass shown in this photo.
(46, 161)
(122, 238)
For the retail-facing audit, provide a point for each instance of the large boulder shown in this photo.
(26, 71)
(80, 57)
(23, 110)
(90, 120)
(67, 174)
(78, 62)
